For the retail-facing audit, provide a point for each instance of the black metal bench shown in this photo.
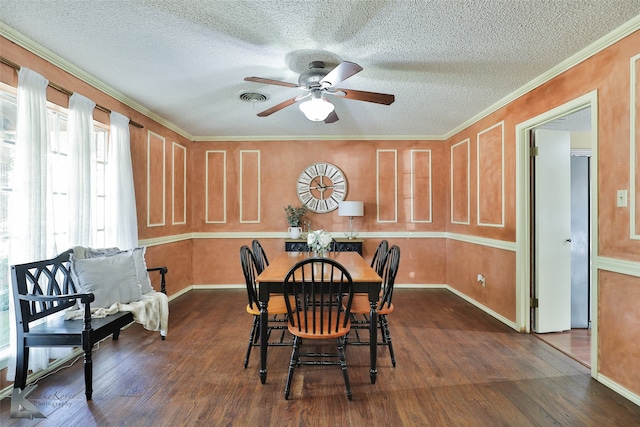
(44, 288)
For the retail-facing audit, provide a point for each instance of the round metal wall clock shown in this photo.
(321, 186)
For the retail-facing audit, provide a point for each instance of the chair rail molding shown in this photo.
(621, 266)
(467, 238)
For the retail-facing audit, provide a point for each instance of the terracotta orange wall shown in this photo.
(608, 72)
(495, 167)
(280, 165)
(619, 318)
(466, 260)
(215, 261)
(177, 257)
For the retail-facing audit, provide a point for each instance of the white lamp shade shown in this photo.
(351, 209)
(316, 109)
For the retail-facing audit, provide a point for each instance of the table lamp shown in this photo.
(351, 209)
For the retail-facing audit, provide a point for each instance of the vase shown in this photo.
(294, 232)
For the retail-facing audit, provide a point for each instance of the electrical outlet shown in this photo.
(482, 280)
(621, 199)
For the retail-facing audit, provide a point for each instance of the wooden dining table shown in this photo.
(365, 280)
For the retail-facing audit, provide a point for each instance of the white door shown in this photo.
(552, 224)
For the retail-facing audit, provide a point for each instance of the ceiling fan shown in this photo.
(317, 81)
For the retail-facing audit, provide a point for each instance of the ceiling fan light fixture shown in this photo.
(316, 109)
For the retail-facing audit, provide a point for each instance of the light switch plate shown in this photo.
(621, 199)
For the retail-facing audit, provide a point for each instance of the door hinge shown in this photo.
(534, 302)
(534, 151)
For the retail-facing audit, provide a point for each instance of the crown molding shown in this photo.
(44, 53)
(321, 138)
(595, 47)
(602, 43)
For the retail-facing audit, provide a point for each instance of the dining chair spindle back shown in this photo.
(321, 292)
(361, 305)
(379, 257)
(276, 308)
(260, 256)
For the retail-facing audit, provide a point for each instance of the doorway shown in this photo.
(524, 257)
(560, 169)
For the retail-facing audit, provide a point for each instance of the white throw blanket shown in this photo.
(152, 312)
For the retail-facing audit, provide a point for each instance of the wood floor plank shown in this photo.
(456, 366)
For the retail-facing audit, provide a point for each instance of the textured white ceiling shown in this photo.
(446, 61)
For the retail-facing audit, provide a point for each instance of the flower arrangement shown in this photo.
(319, 241)
(294, 215)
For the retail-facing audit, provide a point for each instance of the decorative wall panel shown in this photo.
(460, 182)
(618, 315)
(387, 185)
(215, 187)
(249, 186)
(421, 186)
(490, 176)
(634, 200)
(178, 184)
(156, 190)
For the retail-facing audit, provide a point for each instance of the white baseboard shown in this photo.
(635, 398)
(484, 308)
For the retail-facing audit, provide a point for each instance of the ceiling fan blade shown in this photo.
(270, 82)
(341, 72)
(332, 117)
(282, 105)
(359, 95)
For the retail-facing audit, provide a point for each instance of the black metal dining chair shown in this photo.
(318, 295)
(260, 256)
(276, 308)
(361, 306)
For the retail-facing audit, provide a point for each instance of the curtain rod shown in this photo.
(65, 91)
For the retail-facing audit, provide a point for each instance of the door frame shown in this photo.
(523, 213)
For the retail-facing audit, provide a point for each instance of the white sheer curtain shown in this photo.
(30, 208)
(121, 223)
(82, 173)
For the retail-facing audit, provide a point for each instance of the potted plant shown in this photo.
(294, 215)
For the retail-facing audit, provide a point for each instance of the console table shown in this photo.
(342, 245)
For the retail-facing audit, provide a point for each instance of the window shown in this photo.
(7, 150)
(57, 124)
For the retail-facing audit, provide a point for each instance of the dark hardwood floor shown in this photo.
(456, 366)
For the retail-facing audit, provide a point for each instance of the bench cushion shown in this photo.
(111, 279)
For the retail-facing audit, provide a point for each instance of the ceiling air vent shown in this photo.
(252, 97)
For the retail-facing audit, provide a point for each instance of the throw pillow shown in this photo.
(111, 279)
(138, 257)
(97, 252)
(141, 269)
